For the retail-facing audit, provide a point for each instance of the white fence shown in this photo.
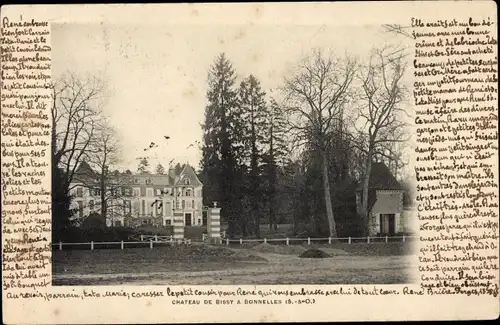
(309, 240)
(155, 238)
(94, 245)
(151, 240)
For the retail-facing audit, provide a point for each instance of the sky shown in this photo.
(156, 75)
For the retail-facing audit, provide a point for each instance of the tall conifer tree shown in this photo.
(220, 146)
(252, 119)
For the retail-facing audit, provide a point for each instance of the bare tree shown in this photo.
(111, 187)
(398, 30)
(314, 100)
(381, 113)
(102, 155)
(75, 112)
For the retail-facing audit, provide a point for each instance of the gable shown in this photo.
(188, 177)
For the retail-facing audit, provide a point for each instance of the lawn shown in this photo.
(202, 264)
(159, 259)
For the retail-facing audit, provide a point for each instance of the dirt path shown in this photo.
(280, 269)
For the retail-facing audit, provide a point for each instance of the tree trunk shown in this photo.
(257, 226)
(103, 199)
(271, 211)
(364, 198)
(328, 200)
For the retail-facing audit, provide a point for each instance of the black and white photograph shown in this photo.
(232, 155)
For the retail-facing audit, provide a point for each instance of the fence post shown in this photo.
(122, 245)
(349, 241)
(227, 241)
(60, 246)
(265, 240)
(142, 237)
(329, 240)
(91, 245)
(368, 239)
(241, 241)
(403, 238)
(308, 240)
(386, 239)
(156, 237)
(287, 241)
(151, 244)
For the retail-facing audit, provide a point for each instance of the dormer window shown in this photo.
(136, 181)
(148, 181)
(186, 181)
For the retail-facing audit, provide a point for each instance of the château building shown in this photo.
(133, 199)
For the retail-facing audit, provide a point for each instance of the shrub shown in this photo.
(314, 253)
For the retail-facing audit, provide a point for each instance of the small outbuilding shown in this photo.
(385, 202)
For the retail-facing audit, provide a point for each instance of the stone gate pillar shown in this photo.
(213, 225)
(178, 225)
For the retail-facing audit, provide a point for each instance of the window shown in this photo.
(137, 207)
(199, 221)
(158, 191)
(91, 205)
(168, 222)
(183, 204)
(136, 181)
(118, 223)
(79, 192)
(143, 191)
(165, 191)
(143, 207)
(80, 209)
(150, 192)
(168, 209)
(192, 204)
(137, 192)
(177, 204)
(188, 192)
(159, 208)
(127, 206)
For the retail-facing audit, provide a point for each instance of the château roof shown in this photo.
(85, 174)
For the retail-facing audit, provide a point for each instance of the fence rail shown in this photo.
(155, 238)
(93, 245)
(309, 240)
(288, 241)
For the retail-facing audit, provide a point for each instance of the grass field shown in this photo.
(201, 264)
